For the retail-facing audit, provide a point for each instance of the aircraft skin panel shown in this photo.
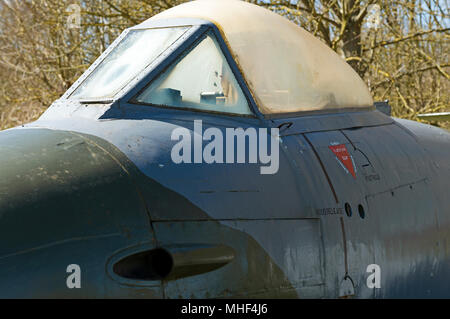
(435, 145)
(408, 243)
(349, 185)
(149, 144)
(165, 207)
(318, 197)
(292, 204)
(254, 273)
(396, 232)
(129, 231)
(405, 219)
(389, 192)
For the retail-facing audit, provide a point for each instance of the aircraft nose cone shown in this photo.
(63, 199)
(48, 181)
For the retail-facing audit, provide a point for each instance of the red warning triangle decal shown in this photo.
(342, 154)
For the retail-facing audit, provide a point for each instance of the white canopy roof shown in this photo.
(285, 67)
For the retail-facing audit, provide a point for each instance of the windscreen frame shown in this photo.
(203, 28)
(118, 95)
(208, 33)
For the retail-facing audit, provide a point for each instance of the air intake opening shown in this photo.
(154, 264)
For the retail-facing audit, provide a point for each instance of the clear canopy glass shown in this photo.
(134, 53)
(201, 80)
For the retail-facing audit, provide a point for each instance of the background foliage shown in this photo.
(399, 47)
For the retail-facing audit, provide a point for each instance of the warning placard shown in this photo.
(344, 157)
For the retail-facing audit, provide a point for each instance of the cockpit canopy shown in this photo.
(284, 67)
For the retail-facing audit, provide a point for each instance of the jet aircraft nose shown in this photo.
(65, 198)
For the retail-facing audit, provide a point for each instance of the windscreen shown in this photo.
(134, 53)
(201, 80)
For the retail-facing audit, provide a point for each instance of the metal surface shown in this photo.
(94, 185)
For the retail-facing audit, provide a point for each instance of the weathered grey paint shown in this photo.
(93, 184)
